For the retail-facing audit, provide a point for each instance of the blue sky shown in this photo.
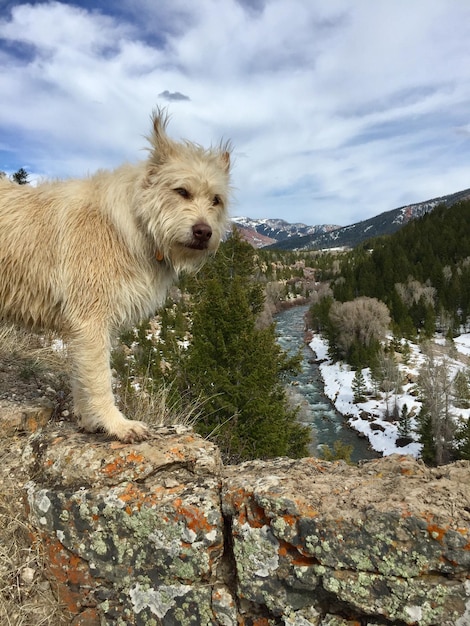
(337, 110)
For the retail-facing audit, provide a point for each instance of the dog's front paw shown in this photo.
(130, 431)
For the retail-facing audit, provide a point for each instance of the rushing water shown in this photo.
(307, 388)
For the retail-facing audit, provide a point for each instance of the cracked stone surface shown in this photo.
(387, 542)
(159, 532)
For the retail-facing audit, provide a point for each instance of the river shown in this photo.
(327, 424)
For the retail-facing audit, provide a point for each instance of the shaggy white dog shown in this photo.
(87, 257)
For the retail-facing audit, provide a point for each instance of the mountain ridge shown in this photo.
(271, 230)
(299, 236)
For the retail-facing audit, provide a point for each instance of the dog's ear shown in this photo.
(225, 150)
(161, 143)
(226, 160)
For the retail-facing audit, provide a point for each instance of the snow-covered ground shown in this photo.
(368, 417)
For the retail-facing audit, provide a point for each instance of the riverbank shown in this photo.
(306, 392)
(368, 418)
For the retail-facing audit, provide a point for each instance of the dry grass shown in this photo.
(156, 405)
(26, 596)
(43, 350)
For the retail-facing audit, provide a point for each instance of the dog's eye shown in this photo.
(216, 201)
(184, 193)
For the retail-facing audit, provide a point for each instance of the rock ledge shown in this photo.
(162, 533)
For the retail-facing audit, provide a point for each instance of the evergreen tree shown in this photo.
(319, 313)
(20, 177)
(461, 389)
(359, 386)
(386, 375)
(236, 369)
(426, 436)
(404, 425)
(462, 438)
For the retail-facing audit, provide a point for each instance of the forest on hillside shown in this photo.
(422, 273)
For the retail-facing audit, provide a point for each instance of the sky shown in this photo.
(337, 110)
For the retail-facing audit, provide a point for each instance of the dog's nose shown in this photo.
(202, 232)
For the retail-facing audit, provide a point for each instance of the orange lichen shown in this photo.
(117, 465)
(407, 471)
(255, 516)
(304, 508)
(237, 496)
(132, 493)
(257, 621)
(437, 532)
(31, 424)
(194, 517)
(176, 452)
(70, 572)
(135, 497)
(286, 550)
(114, 467)
(88, 617)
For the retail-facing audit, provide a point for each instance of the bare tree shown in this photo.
(389, 380)
(362, 320)
(413, 291)
(435, 383)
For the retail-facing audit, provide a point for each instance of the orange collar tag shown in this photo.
(159, 255)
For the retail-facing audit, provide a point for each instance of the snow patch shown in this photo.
(368, 417)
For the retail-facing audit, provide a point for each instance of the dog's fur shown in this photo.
(87, 257)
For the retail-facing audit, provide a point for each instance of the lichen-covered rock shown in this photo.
(427, 600)
(23, 418)
(387, 540)
(133, 531)
(159, 532)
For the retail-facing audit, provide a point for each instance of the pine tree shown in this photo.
(20, 177)
(426, 436)
(463, 439)
(359, 386)
(236, 369)
(404, 425)
(431, 252)
(461, 389)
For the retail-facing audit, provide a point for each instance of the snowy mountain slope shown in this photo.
(383, 224)
(271, 231)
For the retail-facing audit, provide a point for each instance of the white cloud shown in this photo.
(337, 110)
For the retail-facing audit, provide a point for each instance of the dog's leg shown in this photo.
(92, 388)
